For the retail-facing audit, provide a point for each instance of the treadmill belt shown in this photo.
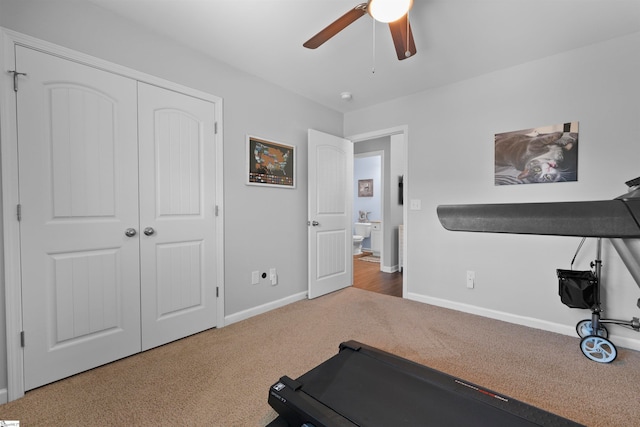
(400, 398)
(363, 386)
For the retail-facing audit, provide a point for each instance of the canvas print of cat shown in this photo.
(537, 155)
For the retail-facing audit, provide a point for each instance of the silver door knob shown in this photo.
(130, 232)
(315, 223)
(149, 231)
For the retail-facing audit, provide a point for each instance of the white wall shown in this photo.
(450, 152)
(264, 227)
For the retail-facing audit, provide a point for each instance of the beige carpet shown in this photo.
(221, 377)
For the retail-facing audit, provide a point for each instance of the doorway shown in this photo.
(367, 276)
(368, 203)
(381, 273)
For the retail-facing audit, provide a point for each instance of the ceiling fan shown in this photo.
(383, 11)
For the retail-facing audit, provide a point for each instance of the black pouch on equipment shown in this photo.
(577, 288)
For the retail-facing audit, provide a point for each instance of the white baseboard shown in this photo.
(4, 396)
(391, 269)
(518, 320)
(254, 311)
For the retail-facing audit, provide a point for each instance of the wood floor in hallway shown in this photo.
(367, 276)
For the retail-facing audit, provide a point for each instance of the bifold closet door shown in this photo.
(78, 183)
(117, 194)
(177, 214)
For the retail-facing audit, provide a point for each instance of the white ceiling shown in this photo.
(455, 39)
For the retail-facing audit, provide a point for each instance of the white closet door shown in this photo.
(78, 183)
(177, 214)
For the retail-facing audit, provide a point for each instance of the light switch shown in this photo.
(471, 279)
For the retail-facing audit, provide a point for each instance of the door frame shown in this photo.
(397, 130)
(10, 190)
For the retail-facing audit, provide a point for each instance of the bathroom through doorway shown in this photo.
(379, 168)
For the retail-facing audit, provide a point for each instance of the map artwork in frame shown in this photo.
(270, 164)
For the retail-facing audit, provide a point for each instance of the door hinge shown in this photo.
(15, 78)
(217, 292)
(215, 128)
(19, 212)
(217, 211)
(21, 338)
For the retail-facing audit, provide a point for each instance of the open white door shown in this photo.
(330, 192)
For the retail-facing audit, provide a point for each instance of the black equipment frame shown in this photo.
(617, 220)
(365, 386)
(595, 344)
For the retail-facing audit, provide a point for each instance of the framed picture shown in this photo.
(270, 164)
(538, 155)
(365, 188)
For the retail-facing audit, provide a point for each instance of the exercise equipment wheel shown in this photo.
(584, 328)
(598, 349)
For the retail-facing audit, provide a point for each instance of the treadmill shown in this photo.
(364, 386)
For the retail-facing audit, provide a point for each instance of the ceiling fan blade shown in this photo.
(403, 38)
(335, 27)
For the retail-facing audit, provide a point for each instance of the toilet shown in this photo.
(362, 230)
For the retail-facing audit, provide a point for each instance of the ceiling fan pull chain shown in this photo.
(373, 66)
(408, 52)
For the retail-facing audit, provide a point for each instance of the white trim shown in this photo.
(391, 269)
(254, 311)
(10, 227)
(10, 197)
(378, 133)
(368, 154)
(518, 320)
(3, 396)
(92, 61)
(220, 322)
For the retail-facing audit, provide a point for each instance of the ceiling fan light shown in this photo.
(388, 10)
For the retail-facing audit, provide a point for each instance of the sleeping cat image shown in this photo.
(537, 157)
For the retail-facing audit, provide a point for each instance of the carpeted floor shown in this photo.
(221, 377)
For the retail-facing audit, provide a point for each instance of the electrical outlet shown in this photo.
(471, 279)
(255, 277)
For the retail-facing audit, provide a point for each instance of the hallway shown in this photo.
(367, 276)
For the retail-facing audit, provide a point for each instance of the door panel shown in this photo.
(178, 148)
(331, 253)
(82, 149)
(177, 200)
(179, 278)
(330, 191)
(85, 294)
(78, 190)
